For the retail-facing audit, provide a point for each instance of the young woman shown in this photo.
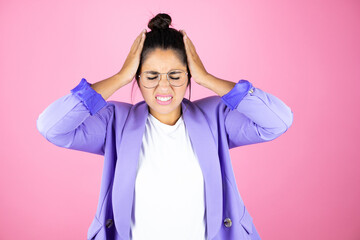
(167, 169)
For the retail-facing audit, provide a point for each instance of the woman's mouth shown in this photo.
(164, 100)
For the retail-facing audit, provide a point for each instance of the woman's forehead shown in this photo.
(162, 60)
(161, 55)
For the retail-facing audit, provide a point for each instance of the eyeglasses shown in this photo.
(150, 79)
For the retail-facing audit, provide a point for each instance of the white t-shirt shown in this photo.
(169, 201)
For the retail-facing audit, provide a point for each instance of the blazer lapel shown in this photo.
(128, 158)
(206, 150)
(126, 167)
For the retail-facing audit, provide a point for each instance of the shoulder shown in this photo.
(119, 110)
(120, 106)
(207, 101)
(123, 110)
(210, 106)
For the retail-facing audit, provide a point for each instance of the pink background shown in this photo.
(302, 185)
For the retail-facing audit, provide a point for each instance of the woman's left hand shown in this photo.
(197, 69)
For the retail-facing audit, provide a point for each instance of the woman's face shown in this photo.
(163, 61)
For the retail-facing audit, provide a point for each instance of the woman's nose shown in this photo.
(163, 80)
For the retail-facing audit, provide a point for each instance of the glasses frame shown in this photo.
(167, 77)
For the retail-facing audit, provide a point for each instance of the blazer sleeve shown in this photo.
(253, 115)
(77, 120)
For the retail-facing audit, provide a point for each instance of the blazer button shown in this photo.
(227, 222)
(109, 223)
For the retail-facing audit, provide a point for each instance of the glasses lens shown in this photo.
(177, 78)
(149, 79)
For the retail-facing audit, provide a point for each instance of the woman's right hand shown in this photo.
(132, 61)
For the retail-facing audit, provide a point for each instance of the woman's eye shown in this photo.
(151, 78)
(174, 78)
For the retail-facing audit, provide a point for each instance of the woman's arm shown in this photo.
(217, 85)
(79, 120)
(253, 115)
(107, 87)
(250, 114)
(259, 116)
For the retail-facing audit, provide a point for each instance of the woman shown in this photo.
(167, 169)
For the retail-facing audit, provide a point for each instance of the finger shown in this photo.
(185, 43)
(138, 40)
(187, 46)
(135, 43)
(188, 42)
(190, 45)
(142, 40)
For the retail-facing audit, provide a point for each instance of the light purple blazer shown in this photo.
(83, 120)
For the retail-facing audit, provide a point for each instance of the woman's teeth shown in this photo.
(163, 99)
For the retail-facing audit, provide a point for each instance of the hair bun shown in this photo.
(160, 21)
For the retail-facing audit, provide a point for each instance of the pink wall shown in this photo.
(303, 185)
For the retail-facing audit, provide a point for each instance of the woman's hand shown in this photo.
(132, 61)
(197, 69)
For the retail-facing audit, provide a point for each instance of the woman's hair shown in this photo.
(163, 37)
